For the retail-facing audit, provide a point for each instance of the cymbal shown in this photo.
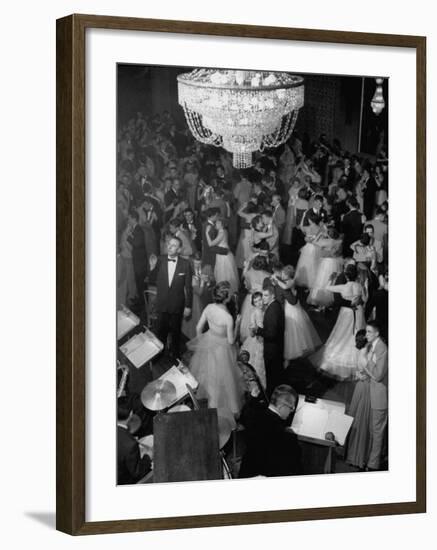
(158, 395)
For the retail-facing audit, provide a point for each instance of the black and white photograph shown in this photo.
(252, 274)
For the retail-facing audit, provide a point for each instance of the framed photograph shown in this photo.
(241, 274)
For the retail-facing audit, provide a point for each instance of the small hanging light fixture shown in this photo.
(378, 102)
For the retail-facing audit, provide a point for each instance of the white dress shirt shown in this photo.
(171, 268)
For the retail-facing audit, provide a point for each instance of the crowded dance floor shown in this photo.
(252, 290)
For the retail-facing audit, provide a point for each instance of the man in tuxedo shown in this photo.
(131, 466)
(174, 293)
(273, 337)
(209, 252)
(272, 449)
(369, 188)
(351, 226)
(377, 368)
(316, 212)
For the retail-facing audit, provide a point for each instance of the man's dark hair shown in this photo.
(123, 408)
(352, 202)
(134, 214)
(374, 325)
(212, 212)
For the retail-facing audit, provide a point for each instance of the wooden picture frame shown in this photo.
(71, 253)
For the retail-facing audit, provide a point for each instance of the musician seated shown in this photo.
(272, 449)
(131, 466)
(252, 383)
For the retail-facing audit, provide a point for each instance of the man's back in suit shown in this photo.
(271, 449)
(208, 254)
(352, 228)
(273, 338)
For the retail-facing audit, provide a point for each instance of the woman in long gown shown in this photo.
(253, 275)
(225, 268)
(338, 357)
(300, 336)
(359, 438)
(310, 254)
(331, 262)
(254, 344)
(214, 363)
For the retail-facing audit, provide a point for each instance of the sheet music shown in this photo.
(141, 348)
(316, 419)
(126, 321)
(339, 424)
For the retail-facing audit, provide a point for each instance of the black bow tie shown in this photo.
(170, 260)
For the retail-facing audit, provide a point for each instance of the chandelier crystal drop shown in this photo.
(241, 111)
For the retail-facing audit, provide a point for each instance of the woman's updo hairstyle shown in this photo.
(255, 221)
(351, 272)
(360, 339)
(221, 292)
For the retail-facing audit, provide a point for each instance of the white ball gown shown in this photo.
(308, 263)
(338, 356)
(225, 268)
(255, 346)
(330, 263)
(300, 336)
(214, 364)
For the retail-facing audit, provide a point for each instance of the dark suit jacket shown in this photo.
(273, 331)
(179, 295)
(369, 198)
(352, 228)
(271, 449)
(139, 254)
(208, 254)
(130, 466)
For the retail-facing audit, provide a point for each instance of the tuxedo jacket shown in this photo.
(130, 466)
(271, 450)
(378, 368)
(273, 331)
(369, 198)
(177, 296)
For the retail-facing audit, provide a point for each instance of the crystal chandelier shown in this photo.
(378, 102)
(241, 111)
